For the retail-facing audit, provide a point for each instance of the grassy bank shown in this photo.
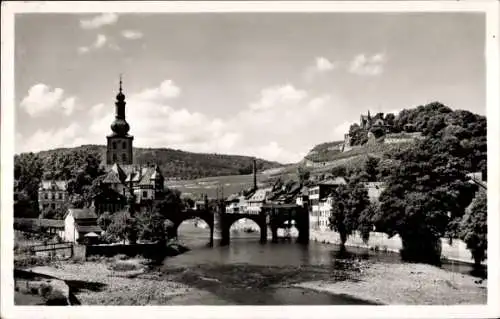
(407, 284)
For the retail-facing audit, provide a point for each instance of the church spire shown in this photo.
(120, 126)
(120, 83)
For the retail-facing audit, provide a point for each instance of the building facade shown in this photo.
(52, 194)
(79, 223)
(320, 202)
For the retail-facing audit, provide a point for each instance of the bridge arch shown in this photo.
(177, 219)
(230, 219)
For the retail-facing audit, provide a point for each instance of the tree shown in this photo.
(371, 168)
(425, 192)
(377, 131)
(104, 220)
(339, 171)
(390, 119)
(349, 202)
(170, 205)
(357, 135)
(365, 221)
(474, 228)
(152, 226)
(123, 227)
(28, 172)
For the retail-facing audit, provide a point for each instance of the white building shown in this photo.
(80, 222)
(257, 200)
(321, 203)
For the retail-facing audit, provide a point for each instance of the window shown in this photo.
(46, 196)
(124, 157)
(114, 157)
(124, 145)
(53, 206)
(144, 194)
(59, 195)
(114, 145)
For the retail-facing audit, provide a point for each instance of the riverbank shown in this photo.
(115, 282)
(133, 282)
(407, 284)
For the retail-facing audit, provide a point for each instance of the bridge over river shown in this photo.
(272, 216)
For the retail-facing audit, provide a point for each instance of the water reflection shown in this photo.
(246, 249)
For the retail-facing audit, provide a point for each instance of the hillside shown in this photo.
(399, 132)
(178, 164)
(325, 151)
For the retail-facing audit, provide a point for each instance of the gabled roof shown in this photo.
(82, 213)
(232, 197)
(260, 194)
(112, 177)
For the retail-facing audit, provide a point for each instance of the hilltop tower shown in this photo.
(119, 148)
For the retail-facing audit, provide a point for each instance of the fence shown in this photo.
(64, 249)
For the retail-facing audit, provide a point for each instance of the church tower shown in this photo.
(119, 142)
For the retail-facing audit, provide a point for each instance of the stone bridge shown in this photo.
(272, 216)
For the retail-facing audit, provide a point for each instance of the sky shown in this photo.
(270, 85)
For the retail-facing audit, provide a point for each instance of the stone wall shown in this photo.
(457, 251)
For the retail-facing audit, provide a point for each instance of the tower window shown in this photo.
(124, 145)
(114, 145)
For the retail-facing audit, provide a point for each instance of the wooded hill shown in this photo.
(173, 163)
(468, 127)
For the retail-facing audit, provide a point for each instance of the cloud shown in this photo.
(100, 41)
(52, 138)
(166, 90)
(368, 65)
(340, 130)
(321, 65)
(278, 96)
(68, 105)
(42, 99)
(132, 34)
(83, 50)
(283, 123)
(273, 126)
(99, 21)
(97, 109)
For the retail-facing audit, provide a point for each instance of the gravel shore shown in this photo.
(408, 284)
(103, 286)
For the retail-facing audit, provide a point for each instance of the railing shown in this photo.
(51, 247)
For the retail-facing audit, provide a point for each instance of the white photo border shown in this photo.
(9, 9)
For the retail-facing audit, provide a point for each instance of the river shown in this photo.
(249, 273)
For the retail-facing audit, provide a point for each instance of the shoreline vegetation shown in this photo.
(135, 281)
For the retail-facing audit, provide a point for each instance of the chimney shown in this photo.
(254, 174)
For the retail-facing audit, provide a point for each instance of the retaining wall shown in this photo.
(457, 251)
